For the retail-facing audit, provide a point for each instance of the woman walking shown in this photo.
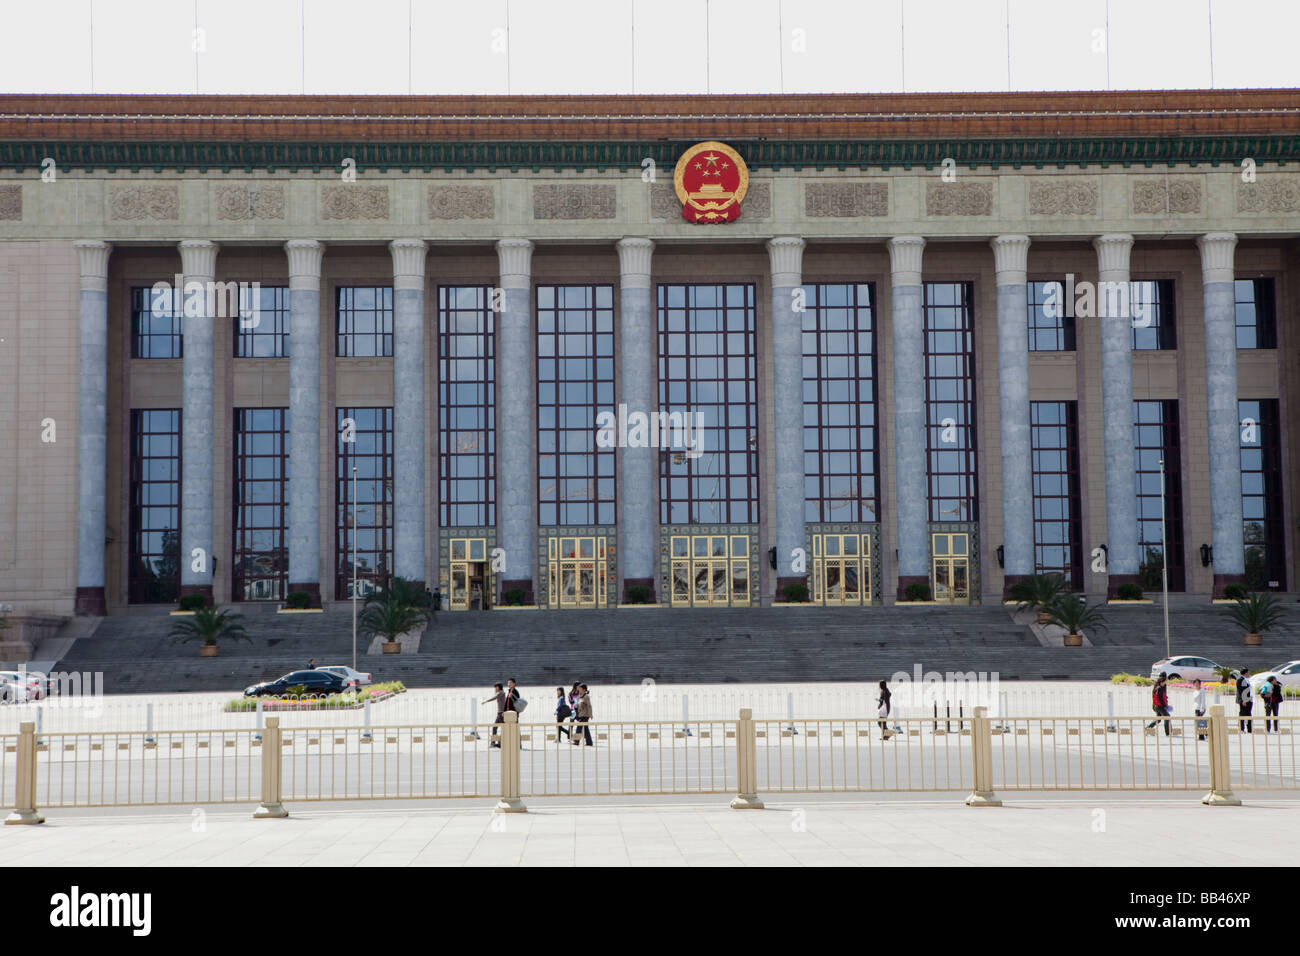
(882, 705)
(1272, 703)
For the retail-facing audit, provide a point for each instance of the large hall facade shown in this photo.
(526, 351)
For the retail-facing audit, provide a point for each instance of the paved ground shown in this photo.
(1093, 830)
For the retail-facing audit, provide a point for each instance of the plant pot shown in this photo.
(1074, 640)
(1044, 617)
(1253, 640)
(209, 650)
(392, 647)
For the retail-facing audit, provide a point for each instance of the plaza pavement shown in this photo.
(1078, 830)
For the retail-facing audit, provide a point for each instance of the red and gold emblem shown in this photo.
(711, 180)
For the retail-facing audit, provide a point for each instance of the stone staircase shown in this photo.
(677, 646)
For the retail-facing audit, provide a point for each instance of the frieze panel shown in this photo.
(11, 202)
(1166, 197)
(959, 199)
(461, 202)
(1063, 197)
(350, 201)
(161, 202)
(1270, 195)
(574, 201)
(845, 200)
(242, 202)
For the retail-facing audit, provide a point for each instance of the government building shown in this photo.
(584, 352)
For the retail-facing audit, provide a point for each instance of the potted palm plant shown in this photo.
(1256, 613)
(1074, 614)
(1039, 593)
(210, 626)
(389, 618)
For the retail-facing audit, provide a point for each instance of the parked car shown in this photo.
(1288, 674)
(311, 682)
(1186, 668)
(352, 680)
(18, 686)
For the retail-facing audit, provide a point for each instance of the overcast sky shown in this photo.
(639, 46)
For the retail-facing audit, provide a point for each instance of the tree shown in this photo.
(389, 617)
(209, 626)
(1076, 615)
(1256, 612)
(1040, 592)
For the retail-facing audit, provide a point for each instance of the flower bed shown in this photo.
(350, 700)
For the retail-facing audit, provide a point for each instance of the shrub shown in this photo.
(1256, 613)
(209, 626)
(513, 597)
(916, 592)
(193, 602)
(1138, 679)
(1234, 592)
(1129, 592)
(795, 593)
(1039, 593)
(298, 600)
(1076, 615)
(638, 594)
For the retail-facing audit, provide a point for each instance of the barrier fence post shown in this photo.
(25, 785)
(746, 766)
(1220, 794)
(982, 794)
(510, 802)
(272, 764)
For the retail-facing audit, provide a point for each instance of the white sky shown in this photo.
(642, 46)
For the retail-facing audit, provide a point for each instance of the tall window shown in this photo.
(467, 406)
(839, 404)
(575, 380)
(1256, 314)
(1054, 437)
(155, 325)
(365, 321)
(1155, 436)
(266, 312)
(154, 575)
(1051, 317)
(1263, 530)
(950, 401)
(707, 368)
(260, 562)
(1151, 305)
(371, 452)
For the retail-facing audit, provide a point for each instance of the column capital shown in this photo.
(634, 256)
(1112, 256)
(1217, 250)
(785, 254)
(199, 257)
(94, 264)
(905, 259)
(1010, 259)
(304, 262)
(408, 262)
(516, 259)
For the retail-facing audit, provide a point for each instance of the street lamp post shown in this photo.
(354, 567)
(1164, 557)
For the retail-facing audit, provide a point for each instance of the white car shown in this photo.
(1288, 674)
(21, 686)
(1186, 668)
(352, 680)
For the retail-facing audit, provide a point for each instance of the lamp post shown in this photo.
(354, 567)
(1164, 557)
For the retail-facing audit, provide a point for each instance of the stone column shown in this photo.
(408, 408)
(1010, 256)
(199, 267)
(304, 416)
(638, 476)
(785, 255)
(92, 427)
(516, 414)
(1117, 411)
(1217, 276)
(912, 500)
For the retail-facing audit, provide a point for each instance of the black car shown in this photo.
(311, 682)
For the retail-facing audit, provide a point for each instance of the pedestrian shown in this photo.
(1271, 693)
(1160, 703)
(1245, 700)
(574, 694)
(562, 713)
(882, 708)
(311, 664)
(500, 698)
(1200, 709)
(584, 715)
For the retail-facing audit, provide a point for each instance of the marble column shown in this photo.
(304, 416)
(638, 476)
(1219, 302)
(908, 345)
(408, 408)
(516, 418)
(199, 268)
(92, 427)
(1010, 257)
(1117, 411)
(785, 256)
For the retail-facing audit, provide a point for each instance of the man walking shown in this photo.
(1160, 702)
(1245, 701)
(501, 701)
(562, 713)
(1202, 726)
(1271, 693)
(584, 715)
